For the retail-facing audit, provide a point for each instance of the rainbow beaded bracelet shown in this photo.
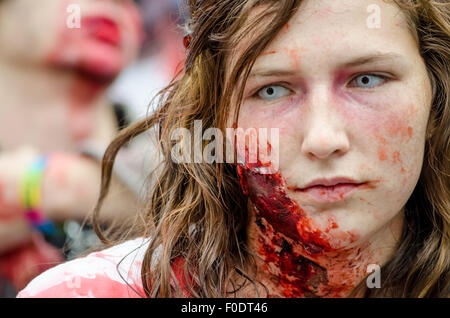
(32, 196)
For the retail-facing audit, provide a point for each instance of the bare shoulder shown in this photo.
(110, 273)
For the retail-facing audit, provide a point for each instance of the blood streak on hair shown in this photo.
(178, 268)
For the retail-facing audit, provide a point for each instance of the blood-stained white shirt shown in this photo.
(111, 273)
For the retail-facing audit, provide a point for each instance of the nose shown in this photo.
(325, 133)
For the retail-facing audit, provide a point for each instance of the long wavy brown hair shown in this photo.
(198, 213)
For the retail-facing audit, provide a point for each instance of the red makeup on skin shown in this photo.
(293, 243)
(103, 29)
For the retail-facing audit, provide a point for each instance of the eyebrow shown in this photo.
(269, 72)
(372, 59)
(359, 61)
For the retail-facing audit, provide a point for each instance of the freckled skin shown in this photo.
(329, 127)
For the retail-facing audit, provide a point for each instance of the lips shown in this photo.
(330, 190)
(103, 29)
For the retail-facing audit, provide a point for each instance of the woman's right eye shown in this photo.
(273, 92)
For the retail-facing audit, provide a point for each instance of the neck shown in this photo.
(47, 101)
(288, 270)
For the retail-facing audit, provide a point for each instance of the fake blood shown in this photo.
(298, 275)
(267, 192)
(283, 224)
(178, 268)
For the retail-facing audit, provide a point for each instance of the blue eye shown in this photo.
(368, 81)
(273, 92)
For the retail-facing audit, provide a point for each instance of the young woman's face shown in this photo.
(108, 37)
(351, 102)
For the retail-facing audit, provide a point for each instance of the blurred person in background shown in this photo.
(161, 58)
(358, 175)
(55, 122)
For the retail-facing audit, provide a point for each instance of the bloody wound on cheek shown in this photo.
(267, 193)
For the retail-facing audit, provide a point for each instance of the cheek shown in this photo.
(400, 145)
(274, 137)
(284, 114)
(286, 118)
(390, 135)
(391, 141)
